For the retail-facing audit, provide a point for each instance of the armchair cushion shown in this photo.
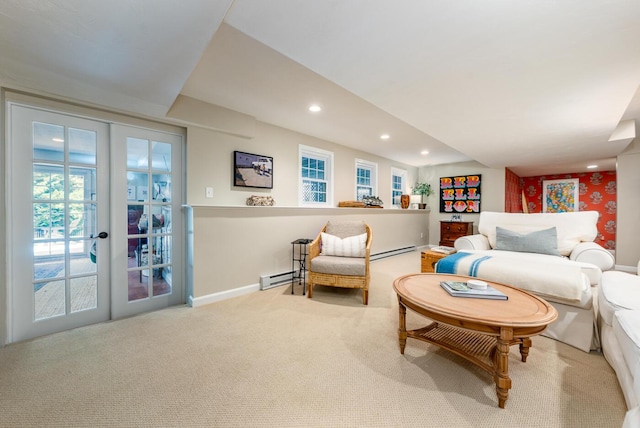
(353, 246)
(351, 266)
(344, 229)
(541, 241)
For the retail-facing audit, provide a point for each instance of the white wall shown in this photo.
(234, 244)
(210, 164)
(628, 212)
(492, 188)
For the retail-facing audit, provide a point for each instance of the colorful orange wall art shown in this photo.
(560, 196)
(460, 194)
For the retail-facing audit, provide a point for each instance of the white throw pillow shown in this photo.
(353, 246)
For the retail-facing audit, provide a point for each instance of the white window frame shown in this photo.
(402, 173)
(373, 176)
(327, 157)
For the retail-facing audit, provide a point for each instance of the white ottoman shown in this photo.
(619, 290)
(632, 419)
(619, 310)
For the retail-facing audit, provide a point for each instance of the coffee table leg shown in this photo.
(402, 326)
(524, 348)
(503, 381)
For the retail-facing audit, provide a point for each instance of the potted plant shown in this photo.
(423, 189)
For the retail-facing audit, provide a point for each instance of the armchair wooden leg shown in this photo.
(310, 290)
(365, 296)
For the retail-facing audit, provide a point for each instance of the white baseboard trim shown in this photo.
(223, 295)
(630, 269)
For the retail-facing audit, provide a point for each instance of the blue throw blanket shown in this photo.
(449, 264)
(558, 279)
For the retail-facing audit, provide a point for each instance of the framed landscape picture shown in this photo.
(560, 196)
(251, 170)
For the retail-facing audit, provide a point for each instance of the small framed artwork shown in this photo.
(560, 196)
(456, 217)
(142, 193)
(251, 170)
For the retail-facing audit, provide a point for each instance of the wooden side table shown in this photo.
(429, 259)
(452, 230)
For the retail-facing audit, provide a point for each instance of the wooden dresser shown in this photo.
(452, 230)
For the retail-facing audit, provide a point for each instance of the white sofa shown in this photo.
(517, 249)
(619, 319)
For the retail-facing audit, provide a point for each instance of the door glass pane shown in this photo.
(48, 221)
(81, 262)
(41, 222)
(82, 184)
(137, 153)
(48, 247)
(82, 146)
(49, 299)
(161, 187)
(48, 142)
(138, 276)
(82, 220)
(138, 186)
(84, 293)
(48, 266)
(138, 261)
(161, 156)
(48, 182)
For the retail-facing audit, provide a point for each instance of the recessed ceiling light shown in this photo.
(58, 140)
(385, 136)
(315, 108)
(592, 166)
(424, 152)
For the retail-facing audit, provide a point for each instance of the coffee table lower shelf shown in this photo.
(488, 352)
(479, 349)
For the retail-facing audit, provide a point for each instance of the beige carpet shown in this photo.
(271, 359)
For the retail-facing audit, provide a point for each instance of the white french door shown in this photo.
(95, 222)
(147, 219)
(59, 203)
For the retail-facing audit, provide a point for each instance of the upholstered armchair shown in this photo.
(339, 257)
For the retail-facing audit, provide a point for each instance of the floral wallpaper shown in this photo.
(597, 192)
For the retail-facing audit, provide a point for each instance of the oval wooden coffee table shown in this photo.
(479, 330)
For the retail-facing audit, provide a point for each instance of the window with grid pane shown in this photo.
(315, 176)
(366, 180)
(398, 180)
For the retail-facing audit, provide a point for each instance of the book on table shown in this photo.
(461, 289)
(443, 249)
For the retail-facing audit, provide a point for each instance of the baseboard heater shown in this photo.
(390, 253)
(270, 281)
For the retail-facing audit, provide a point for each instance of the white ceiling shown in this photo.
(536, 86)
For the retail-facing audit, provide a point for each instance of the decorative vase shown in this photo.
(404, 201)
